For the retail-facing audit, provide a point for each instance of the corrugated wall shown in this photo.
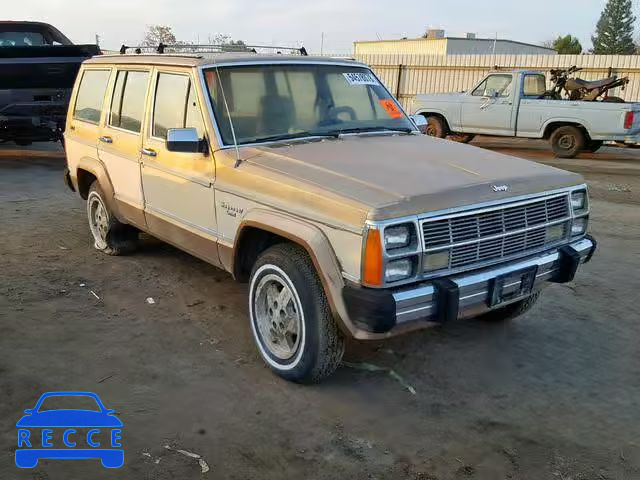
(453, 73)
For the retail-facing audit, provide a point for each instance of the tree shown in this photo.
(614, 31)
(567, 45)
(157, 34)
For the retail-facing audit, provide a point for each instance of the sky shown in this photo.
(295, 22)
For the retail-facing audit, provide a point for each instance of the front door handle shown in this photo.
(105, 139)
(149, 152)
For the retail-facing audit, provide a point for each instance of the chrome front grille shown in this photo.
(499, 232)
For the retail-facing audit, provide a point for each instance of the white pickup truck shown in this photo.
(512, 104)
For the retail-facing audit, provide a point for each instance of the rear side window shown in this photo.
(534, 85)
(93, 86)
(127, 104)
(175, 105)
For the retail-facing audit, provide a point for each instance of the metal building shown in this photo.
(436, 43)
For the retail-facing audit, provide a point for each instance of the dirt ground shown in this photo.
(553, 395)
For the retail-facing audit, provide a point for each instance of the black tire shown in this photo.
(613, 100)
(567, 142)
(511, 311)
(593, 146)
(461, 137)
(436, 127)
(319, 343)
(111, 236)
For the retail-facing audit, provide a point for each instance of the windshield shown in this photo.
(272, 102)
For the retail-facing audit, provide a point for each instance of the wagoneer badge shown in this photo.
(500, 188)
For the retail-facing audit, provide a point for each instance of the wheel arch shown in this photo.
(89, 170)
(261, 229)
(428, 112)
(552, 125)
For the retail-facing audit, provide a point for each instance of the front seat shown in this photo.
(276, 115)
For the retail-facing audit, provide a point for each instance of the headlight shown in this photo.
(579, 226)
(398, 270)
(398, 236)
(436, 261)
(579, 200)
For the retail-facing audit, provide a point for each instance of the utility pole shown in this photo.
(97, 40)
(322, 43)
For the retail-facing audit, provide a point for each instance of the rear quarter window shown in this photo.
(90, 98)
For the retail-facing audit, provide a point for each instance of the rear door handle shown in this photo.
(105, 139)
(149, 152)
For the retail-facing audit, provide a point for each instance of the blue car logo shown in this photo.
(40, 430)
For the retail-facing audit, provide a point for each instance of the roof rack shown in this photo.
(221, 48)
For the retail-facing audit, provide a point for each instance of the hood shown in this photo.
(69, 418)
(403, 175)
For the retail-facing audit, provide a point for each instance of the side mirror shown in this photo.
(492, 93)
(29, 410)
(420, 122)
(185, 140)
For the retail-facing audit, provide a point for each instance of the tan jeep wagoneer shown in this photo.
(304, 177)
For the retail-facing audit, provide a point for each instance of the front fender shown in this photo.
(318, 247)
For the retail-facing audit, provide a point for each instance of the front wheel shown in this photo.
(511, 311)
(461, 137)
(436, 127)
(291, 321)
(568, 141)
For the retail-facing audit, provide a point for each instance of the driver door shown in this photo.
(488, 109)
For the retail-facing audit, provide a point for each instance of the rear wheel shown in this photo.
(435, 127)
(568, 141)
(613, 100)
(593, 146)
(109, 235)
(291, 321)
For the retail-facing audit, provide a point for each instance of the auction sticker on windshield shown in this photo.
(360, 78)
(391, 108)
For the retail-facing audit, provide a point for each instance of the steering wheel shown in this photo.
(335, 111)
(332, 116)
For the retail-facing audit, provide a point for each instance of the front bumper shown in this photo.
(385, 313)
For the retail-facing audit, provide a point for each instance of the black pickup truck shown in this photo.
(38, 66)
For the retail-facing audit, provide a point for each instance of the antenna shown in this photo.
(226, 107)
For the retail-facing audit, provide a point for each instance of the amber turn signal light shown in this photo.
(372, 271)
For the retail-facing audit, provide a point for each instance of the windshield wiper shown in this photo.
(369, 129)
(292, 136)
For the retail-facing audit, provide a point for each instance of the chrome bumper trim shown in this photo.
(419, 303)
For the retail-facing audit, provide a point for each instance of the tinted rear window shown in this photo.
(91, 95)
(127, 105)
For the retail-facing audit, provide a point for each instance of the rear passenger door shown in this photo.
(178, 187)
(120, 139)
